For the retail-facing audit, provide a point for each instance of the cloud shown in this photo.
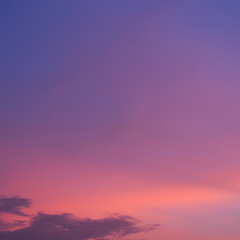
(10, 225)
(14, 205)
(64, 226)
(68, 227)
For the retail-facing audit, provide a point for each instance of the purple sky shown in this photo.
(117, 106)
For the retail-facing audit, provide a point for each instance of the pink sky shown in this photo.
(122, 107)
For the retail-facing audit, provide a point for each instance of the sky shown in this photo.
(119, 119)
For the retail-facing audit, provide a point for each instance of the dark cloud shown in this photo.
(10, 225)
(63, 226)
(14, 205)
(68, 227)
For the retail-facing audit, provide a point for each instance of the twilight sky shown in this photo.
(120, 118)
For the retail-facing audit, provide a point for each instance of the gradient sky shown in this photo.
(124, 106)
